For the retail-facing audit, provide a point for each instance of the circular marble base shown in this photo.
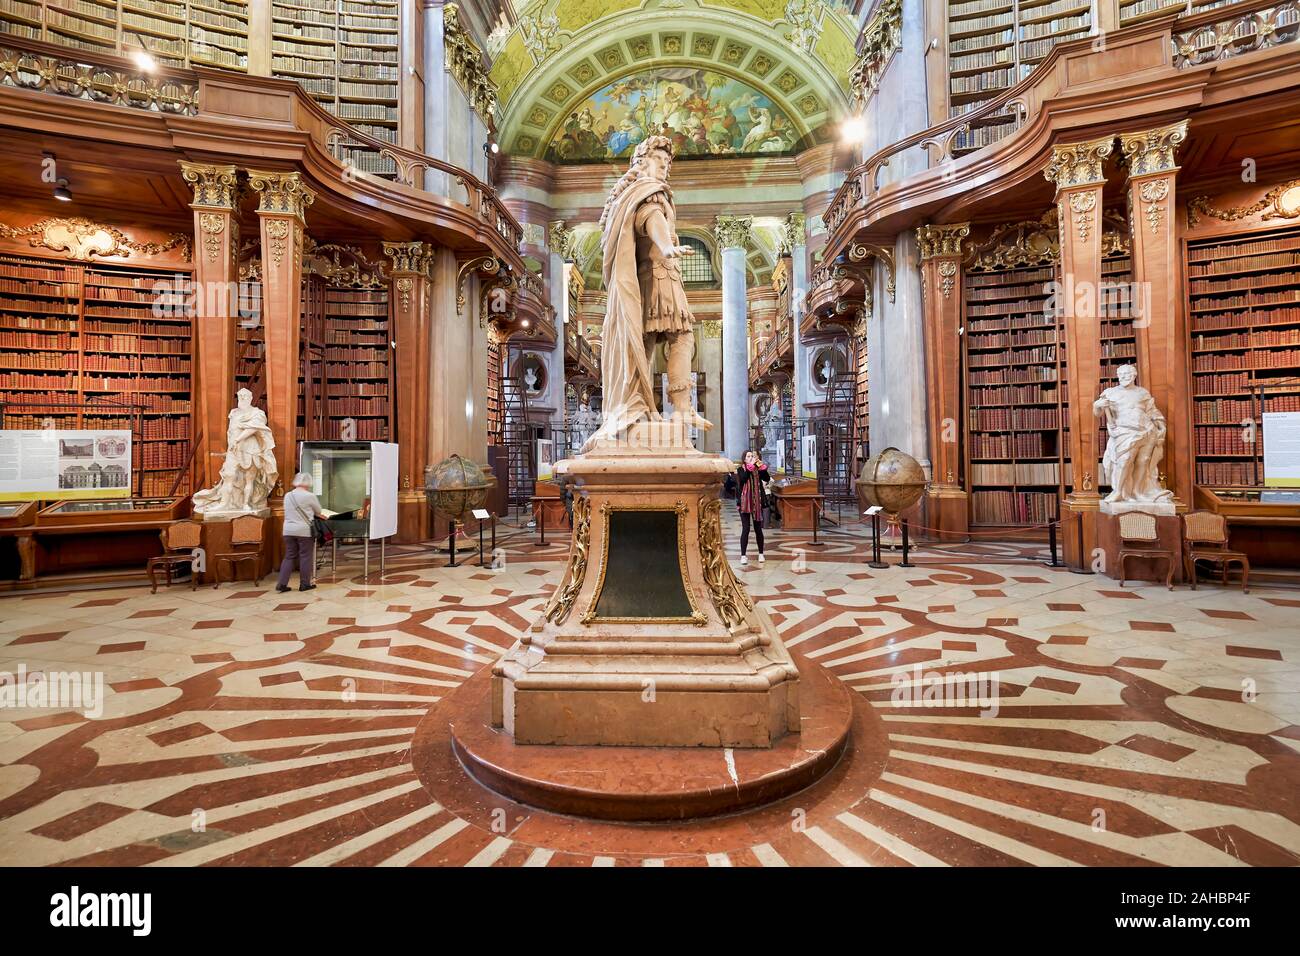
(642, 783)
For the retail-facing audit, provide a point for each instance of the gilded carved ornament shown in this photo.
(881, 38)
(942, 241)
(85, 239)
(1079, 164)
(1153, 194)
(408, 256)
(466, 63)
(793, 232)
(862, 251)
(216, 187)
(730, 599)
(212, 225)
(280, 192)
(734, 232)
(1281, 202)
(342, 266)
(561, 602)
(1152, 150)
(562, 240)
(1082, 205)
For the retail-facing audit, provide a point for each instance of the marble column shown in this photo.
(448, 115)
(941, 281)
(896, 350)
(734, 234)
(794, 241)
(216, 284)
(1159, 328)
(1078, 171)
(281, 212)
(560, 243)
(410, 305)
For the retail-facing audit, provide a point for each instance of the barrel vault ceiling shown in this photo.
(790, 58)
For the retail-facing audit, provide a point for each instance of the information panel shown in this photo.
(64, 463)
(1282, 449)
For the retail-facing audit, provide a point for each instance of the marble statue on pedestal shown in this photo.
(1135, 446)
(249, 471)
(647, 301)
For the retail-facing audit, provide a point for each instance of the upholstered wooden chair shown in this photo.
(1205, 538)
(1138, 538)
(179, 539)
(246, 542)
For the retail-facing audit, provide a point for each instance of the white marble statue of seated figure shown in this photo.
(1136, 441)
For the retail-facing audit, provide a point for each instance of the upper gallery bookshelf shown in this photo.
(993, 44)
(100, 347)
(1243, 305)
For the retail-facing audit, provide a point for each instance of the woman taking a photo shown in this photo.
(751, 476)
(300, 507)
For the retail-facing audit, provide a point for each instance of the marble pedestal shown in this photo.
(1117, 508)
(649, 640)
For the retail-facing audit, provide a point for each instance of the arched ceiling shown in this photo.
(788, 59)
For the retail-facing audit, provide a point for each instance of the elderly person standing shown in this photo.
(300, 507)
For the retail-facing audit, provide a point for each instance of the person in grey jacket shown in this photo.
(300, 507)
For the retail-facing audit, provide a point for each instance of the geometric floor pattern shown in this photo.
(1132, 726)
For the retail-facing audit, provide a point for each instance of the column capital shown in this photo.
(794, 232)
(734, 232)
(1152, 150)
(280, 192)
(1079, 164)
(561, 239)
(942, 241)
(215, 187)
(408, 257)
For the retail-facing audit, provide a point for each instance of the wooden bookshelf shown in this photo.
(1243, 306)
(861, 405)
(101, 347)
(993, 44)
(358, 375)
(496, 413)
(1015, 395)
(1138, 11)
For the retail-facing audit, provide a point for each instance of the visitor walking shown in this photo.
(300, 508)
(751, 476)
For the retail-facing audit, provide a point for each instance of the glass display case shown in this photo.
(14, 514)
(356, 482)
(112, 511)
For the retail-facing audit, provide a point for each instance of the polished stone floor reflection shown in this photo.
(1133, 726)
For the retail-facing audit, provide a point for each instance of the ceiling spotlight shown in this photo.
(143, 58)
(491, 147)
(853, 130)
(61, 191)
(525, 323)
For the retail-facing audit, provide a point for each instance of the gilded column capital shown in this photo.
(280, 192)
(942, 241)
(561, 239)
(466, 63)
(215, 187)
(734, 232)
(1152, 150)
(1079, 164)
(408, 257)
(794, 232)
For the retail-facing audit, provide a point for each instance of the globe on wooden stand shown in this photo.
(454, 488)
(894, 481)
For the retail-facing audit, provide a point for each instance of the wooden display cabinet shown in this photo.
(102, 537)
(1262, 522)
(798, 501)
(16, 557)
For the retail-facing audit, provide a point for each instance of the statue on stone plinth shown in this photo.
(646, 298)
(249, 471)
(1136, 441)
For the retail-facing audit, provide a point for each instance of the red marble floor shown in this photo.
(1133, 726)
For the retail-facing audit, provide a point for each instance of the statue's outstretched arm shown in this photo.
(656, 227)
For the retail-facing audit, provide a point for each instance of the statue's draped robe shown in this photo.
(626, 384)
(248, 456)
(1134, 446)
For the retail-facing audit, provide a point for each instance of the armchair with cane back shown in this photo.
(179, 541)
(246, 542)
(1138, 538)
(1205, 538)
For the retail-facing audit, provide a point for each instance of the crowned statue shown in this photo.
(646, 299)
(249, 471)
(1135, 444)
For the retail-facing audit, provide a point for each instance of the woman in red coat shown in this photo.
(750, 478)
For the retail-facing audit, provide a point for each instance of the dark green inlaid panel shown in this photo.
(643, 574)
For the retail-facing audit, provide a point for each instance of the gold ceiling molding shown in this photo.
(1079, 164)
(1282, 202)
(466, 63)
(1031, 242)
(342, 266)
(84, 239)
(881, 38)
(1152, 150)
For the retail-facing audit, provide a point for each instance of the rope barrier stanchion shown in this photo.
(905, 563)
(1051, 543)
(875, 561)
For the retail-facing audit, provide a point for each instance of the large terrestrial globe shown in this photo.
(455, 487)
(892, 479)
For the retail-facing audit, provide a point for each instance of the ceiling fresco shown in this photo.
(704, 112)
(569, 70)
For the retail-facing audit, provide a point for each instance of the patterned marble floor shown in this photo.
(1133, 726)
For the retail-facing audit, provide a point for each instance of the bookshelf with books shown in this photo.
(861, 404)
(1243, 306)
(992, 45)
(1015, 394)
(101, 347)
(1118, 307)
